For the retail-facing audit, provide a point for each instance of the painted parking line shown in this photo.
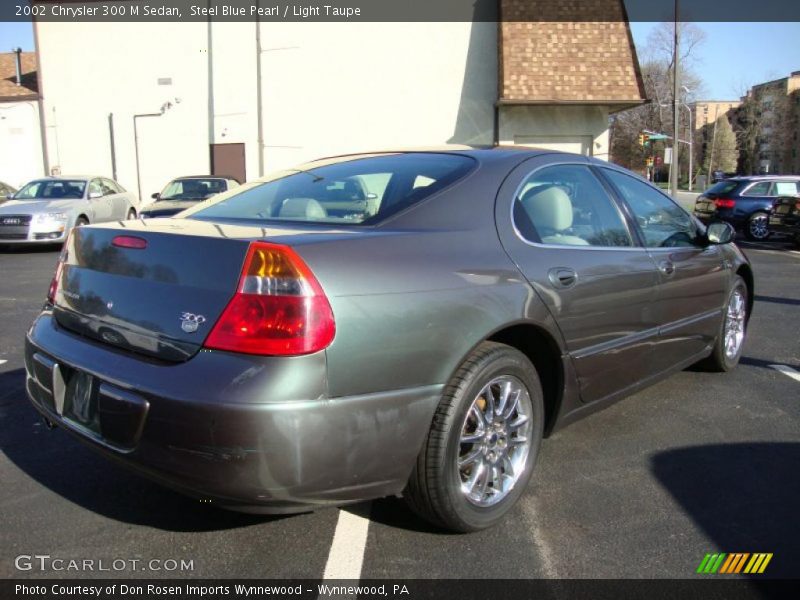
(346, 555)
(788, 371)
(3, 361)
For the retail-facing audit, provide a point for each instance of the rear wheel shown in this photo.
(730, 339)
(758, 227)
(483, 442)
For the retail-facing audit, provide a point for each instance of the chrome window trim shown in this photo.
(588, 165)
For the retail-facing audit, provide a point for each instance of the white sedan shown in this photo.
(44, 210)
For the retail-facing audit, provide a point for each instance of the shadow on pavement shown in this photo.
(764, 364)
(777, 300)
(57, 461)
(743, 496)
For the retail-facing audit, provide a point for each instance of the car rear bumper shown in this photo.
(250, 433)
(727, 215)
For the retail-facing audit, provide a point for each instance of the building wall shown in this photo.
(326, 89)
(20, 142)
(580, 129)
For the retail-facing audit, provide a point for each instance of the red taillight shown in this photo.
(62, 257)
(129, 241)
(279, 307)
(724, 203)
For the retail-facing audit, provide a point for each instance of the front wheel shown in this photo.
(483, 442)
(758, 227)
(730, 339)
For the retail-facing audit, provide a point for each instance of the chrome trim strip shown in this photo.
(640, 336)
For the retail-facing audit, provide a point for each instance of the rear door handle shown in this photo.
(562, 277)
(667, 267)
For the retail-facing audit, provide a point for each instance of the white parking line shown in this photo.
(346, 555)
(788, 371)
(3, 361)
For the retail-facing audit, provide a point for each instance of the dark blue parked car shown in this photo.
(745, 202)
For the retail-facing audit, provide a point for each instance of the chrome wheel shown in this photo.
(735, 323)
(759, 229)
(495, 441)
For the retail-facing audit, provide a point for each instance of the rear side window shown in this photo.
(362, 190)
(758, 189)
(565, 205)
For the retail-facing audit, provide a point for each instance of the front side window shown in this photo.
(566, 205)
(361, 190)
(663, 223)
(95, 187)
(787, 188)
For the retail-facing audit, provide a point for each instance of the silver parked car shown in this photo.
(44, 210)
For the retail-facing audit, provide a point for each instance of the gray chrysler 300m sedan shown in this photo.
(369, 325)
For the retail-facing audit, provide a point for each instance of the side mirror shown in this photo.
(93, 195)
(9, 196)
(156, 196)
(720, 233)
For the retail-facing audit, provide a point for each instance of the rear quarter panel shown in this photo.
(413, 299)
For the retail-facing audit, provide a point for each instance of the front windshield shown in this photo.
(192, 189)
(57, 189)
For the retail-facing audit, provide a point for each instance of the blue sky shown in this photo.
(734, 54)
(737, 55)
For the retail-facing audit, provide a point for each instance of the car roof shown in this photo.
(70, 178)
(764, 178)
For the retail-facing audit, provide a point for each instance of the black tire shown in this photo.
(131, 215)
(719, 361)
(757, 228)
(81, 221)
(434, 488)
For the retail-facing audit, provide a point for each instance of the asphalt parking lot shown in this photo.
(699, 463)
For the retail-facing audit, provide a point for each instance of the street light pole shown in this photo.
(673, 184)
(691, 145)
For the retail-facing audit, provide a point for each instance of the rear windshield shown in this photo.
(356, 191)
(723, 187)
(51, 190)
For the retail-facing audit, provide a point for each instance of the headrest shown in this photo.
(549, 207)
(304, 208)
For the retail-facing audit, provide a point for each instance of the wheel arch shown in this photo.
(746, 273)
(541, 348)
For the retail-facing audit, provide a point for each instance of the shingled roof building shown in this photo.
(20, 134)
(255, 97)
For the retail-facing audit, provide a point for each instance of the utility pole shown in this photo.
(673, 183)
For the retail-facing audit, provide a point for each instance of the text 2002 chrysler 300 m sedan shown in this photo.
(369, 325)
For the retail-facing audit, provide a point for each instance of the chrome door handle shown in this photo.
(562, 277)
(667, 267)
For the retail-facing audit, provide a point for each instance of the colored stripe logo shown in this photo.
(733, 563)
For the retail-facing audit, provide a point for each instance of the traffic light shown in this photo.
(649, 161)
(641, 139)
(659, 160)
(644, 139)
